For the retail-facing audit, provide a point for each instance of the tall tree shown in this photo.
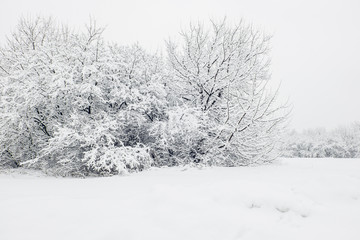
(223, 73)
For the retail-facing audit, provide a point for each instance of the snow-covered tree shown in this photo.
(75, 105)
(72, 104)
(221, 73)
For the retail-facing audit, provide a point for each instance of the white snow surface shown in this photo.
(291, 199)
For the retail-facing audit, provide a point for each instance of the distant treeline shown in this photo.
(343, 142)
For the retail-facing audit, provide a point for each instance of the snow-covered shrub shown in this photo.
(182, 138)
(69, 101)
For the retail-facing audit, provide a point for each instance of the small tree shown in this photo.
(223, 72)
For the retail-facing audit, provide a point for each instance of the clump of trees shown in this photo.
(343, 142)
(72, 104)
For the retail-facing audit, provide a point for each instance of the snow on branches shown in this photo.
(74, 105)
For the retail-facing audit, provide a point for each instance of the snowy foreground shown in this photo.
(292, 199)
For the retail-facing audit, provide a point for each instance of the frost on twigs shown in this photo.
(73, 105)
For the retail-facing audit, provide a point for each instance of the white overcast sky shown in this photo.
(315, 51)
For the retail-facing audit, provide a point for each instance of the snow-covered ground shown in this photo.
(292, 199)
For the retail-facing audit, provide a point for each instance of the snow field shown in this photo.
(291, 199)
